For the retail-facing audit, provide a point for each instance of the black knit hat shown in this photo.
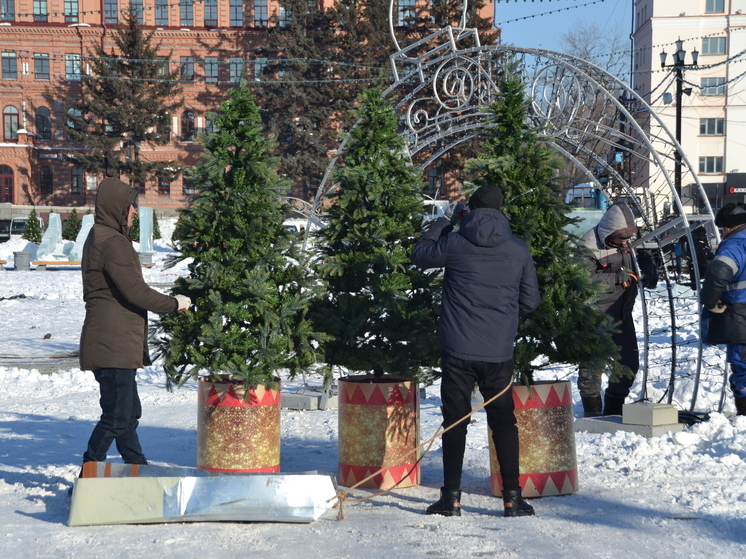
(731, 215)
(486, 196)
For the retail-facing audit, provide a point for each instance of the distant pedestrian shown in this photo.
(489, 280)
(113, 343)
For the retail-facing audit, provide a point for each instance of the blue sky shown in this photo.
(545, 31)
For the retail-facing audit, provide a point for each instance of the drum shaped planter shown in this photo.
(235, 433)
(548, 464)
(378, 428)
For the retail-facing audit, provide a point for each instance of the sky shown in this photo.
(545, 31)
(677, 495)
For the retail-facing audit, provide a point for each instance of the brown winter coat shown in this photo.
(117, 299)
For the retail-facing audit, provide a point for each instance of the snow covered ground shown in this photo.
(681, 495)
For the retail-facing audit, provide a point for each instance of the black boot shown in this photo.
(515, 505)
(613, 405)
(740, 406)
(448, 505)
(591, 406)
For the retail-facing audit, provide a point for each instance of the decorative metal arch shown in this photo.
(443, 87)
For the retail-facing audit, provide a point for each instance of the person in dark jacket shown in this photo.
(612, 265)
(724, 294)
(489, 280)
(113, 342)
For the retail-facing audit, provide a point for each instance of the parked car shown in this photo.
(4, 230)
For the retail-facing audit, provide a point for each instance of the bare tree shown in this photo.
(603, 46)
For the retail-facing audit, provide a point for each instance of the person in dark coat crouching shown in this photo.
(724, 295)
(489, 281)
(612, 265)
(113, 343)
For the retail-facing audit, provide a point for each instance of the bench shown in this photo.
(2, 264)
(41, 265)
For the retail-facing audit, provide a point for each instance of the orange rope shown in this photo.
(341, 496)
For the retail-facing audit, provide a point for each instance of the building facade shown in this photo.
(711, 106)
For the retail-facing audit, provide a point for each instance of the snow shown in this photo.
(680, 495)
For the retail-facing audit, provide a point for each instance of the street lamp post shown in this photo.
(678, 67)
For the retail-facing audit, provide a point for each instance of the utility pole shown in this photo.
(678, 68)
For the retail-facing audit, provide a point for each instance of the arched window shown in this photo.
(46, 180)
(6, 184)
(73, 116)
(187, 126)
(43, 124)
(10, 124)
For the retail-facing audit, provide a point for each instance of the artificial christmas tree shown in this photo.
(250, 291)
(72, 227)
(32, 232)
(379, 310)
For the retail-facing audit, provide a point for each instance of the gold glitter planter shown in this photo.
(548, 464)
(236, 433)
(378, 428)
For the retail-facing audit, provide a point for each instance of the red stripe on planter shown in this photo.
(211, 397)
(353, 474)
(552, 399)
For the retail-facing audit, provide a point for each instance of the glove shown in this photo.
(719, 307)
(625, 278)
(184, 302)
(455, 212)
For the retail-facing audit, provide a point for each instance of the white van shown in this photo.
(18, 226)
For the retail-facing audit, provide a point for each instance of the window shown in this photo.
(111, 12)
(10, 124)
(187, 68)
(260, 13)
(72, 67)
(286, 16)
(713, 86)
(71, 11)
(236, 13)
(713, 45)
(210, 127)
(43, 124)
(259, 65)
(714, 6)
(136, 6)
(161, 66)
(211, 69)
(74, 121)
(187, 126)
(236, 69)
(712, 165)
(434, 182)
(187, 186)
(164, 187)
(161, 12)
(140, 186)
(211, 13)
(8, 10)
(6, 184)
(711, 126)
(10, 66)
(76, 180)
(46, 180)
(406, 12)
(186, 12)
(40, 10)
(41, 66)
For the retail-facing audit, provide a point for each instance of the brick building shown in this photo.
(44, 44)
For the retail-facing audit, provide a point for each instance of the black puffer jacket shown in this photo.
(606, 260)
(489, 281)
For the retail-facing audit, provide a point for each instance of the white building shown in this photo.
(713, 100)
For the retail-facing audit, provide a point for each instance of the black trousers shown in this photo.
(121, 410)
(457, 383)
